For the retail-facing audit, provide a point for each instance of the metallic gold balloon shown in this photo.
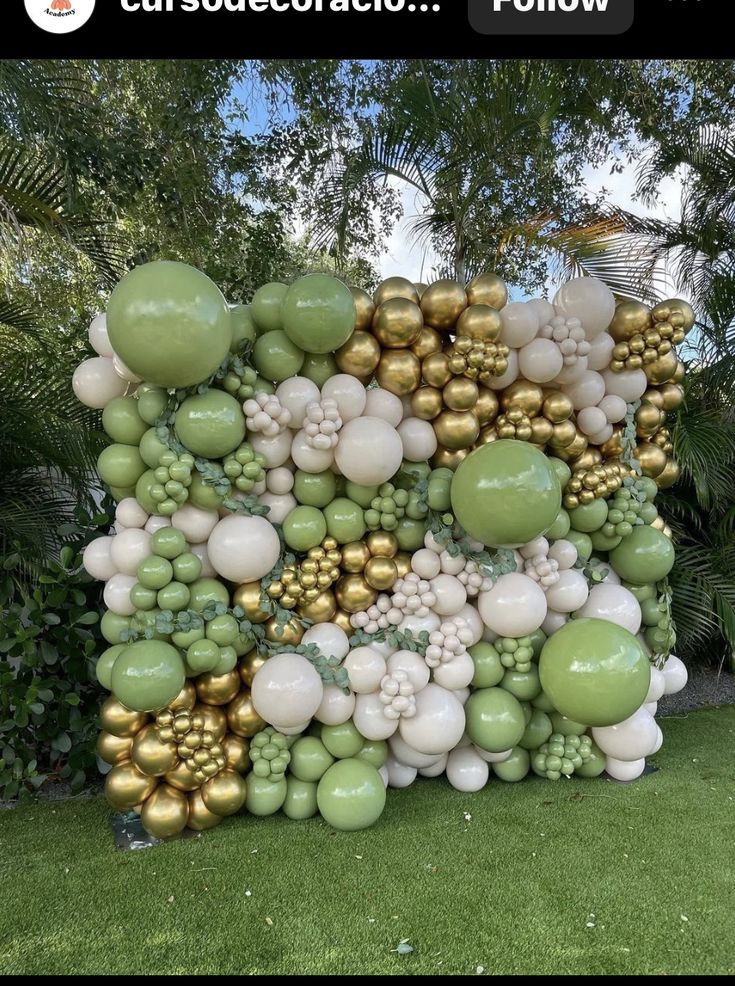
(564, 434)
(359, 356)
(290, 633)
(250, 665)
(456, 430)
(420, 287)
(672, 396)
(150, 755)
(670, 475)
(200, 817)
(242, 718)
(116, 719)
(558, 408)
(397, 324)
(382, 544)
(460, 394)
(365, 309)
(653, 459)
(680, 373)
(185, 700)
(613, 447)
(113, 749)
(488, 435)
(237, 753)
(575, 449)
(427, 343)
(321, 609)
(381, 573)
(126, 786)
(399, 371)
(631, 318)
(427, 403)
(342, 620)
(355, 557)
(542, 431)
(436, 370)
(654, 396)
(529, 397)
(248, 598)
(668, 311)
(224, 794)
(442, 303)
(663, 369)
(487, 407)
(402, 561)
(165, 813)
(182, 778)
(488, 289)
(449, 459)
(480, 322)
(395, 287)
(218, 689)
(214, 719)
(587, 460)
(649, 419)
(354, 595)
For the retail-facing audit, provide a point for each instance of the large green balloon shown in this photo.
(646, 555)
(304, 528)
(264, 797)
(120, 465)
(243, 327)
(300, 800)
(169, 323)
(495, 719)
(319, 313)
(345, 520)
(506, 494)
(276, 357)
(267, 307)
(594, 672)
(211, 425)
(121, 421)
(148, 675)
(351, 795)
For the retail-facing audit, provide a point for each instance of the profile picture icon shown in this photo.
(60, 16)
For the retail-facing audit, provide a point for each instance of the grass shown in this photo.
(575, 877)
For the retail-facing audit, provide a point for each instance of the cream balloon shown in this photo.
(279, 507)
(335, 708)
(591, 420)
(370, 719)
(280, 481)
(614, 604)
(569, 594)
(473, 620)
(455, 674)
(99, 340)
(407, 755)
(438, 724)
(291, 730)
(155, 523)
(588, 391)
(414, 666)
(520, 324)
(614, 407)
(659, 741)
(451, 595)
(452, 564)
(310, 459)
(462, 695)
(95, 383)
(543, 310)
(554, 621)
(365, 668)
(129, 513)
(117, 594)
(200, 550)
(399, 776)
(657, 689)
(600, 437)
(97, 559)
(489, 757)
(564, 554)
(467, 771)
(349, 393)
(275, 450)
(382, 404)
(426, 564)
(675, 676)
(588, 299)
(600, 354)
(331, 640)
(540, 361)
(515, 606)
(630, 385)
(539, 546)
(417, 624)
(621, 770)
(651, 708)
(243, 549)
(294, 394)
(436, 769)
(370, 451)
(629, 740)
(510, 376)
(573, 372)
(418, 438)
(124, 371)
(129, 549)
(287, 690)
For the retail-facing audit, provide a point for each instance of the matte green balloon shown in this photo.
(310, 759)
(351, 795)
(601, 542)
(300, 802)
(589, 517)
(112, 627)
(264, 797)
(105, 663)
(266, 309)
(506, 494)
(142, 597)
(152, 448)
(560, 528)
(319, 369)
(410, 534)
(561, 469)
(515, 768)
(168, 542)
(374, 752)
(566, 727)
(594, 766)
(276, 357)
(121, 421)
(169, 323)
(187, 568)
(154, 572)
(345, 520)
(495, 719)
(594, 672)
(151, 403)
(646, 555)
(174, 596)
(538, 730)
(582, 542)
(304, 528)
(119, 493)
(120, 465)
(342, 741)
(211, 425)
(148, 675)
(203, 496)
(204, 591)
(242, 326)
(315, 489)
(489, 668)
(525, 686)
(362, 495)
(319, 313)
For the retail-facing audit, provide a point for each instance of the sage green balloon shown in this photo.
(489, 668)
(319, 369)
(205, 591)
(642, 592)
(310, 759)
(594, 672)
(264, 797)
(105, 663)
(203, 496)
(119, 493)
(113, 626)
(169, 323)
(120, 465)
(122, 422)
(561, 469)
(242, 326)
(589, 517)
(154, 572)
(560, 528)
(187, 567)
(515, 768)
(374, 752)
(651, 612)
(152, 448)
(506, 494)
(495, 719)
(148, 675)
(277, 358)
(410, 534)
(304, 528)
(174, 596)
(351, 795)
(210, 425)
(227, 661)
(582, 542)
(538, 730)
(151, 403)
(168, 542)
(594, 766)
(362, 495)
(142, 597)
(315, 489)
(184, 639)
(525, 686)
(566, 727)
(345, 520)
(601, 542)
(544, 703)
(202, 656)
(143, 491)
(266, 309)
(300, 802)
(646, 555)
(538, 638)
(319, 313)
(342, 741)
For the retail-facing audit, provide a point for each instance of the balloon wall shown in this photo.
(361, 538)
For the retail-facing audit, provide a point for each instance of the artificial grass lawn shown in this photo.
(574, 877)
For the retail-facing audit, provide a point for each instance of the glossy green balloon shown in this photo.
(560, 528)
(362, 495)
(345, 520)
(594, 766)
(525, 687)
(184, 639)
(264, 797)
(151, 403)
(495, 719)
(561, 469)
(227, 661)
(122, 422)
(148, 675)
(594, 672)
(203, 496)
(515, 768)
(119, 493)
(154, 572)
(223, 630)
(351, 795)
(152, 448)
(601, 542)
(582, 542)
(204, 591)
(589, 517)
(315, 489)
(146, 622)
(319, 369)
(310, 759)
(342, 741)
(211, 425)
(646, 555)
(410, 534)
(538, 730)
(651, 612)
(641, 592)
(319, 313)
(143, 491)
(489, 668)
(142, 597)
(120, 465)
(242, 326)
(105, 663)
(266, 309)
(169, 323)
(202, 656)
(374, 752)
(112, 627)
(243, 645)
(276, 357)
(566, 727)
(300, 802)
(544, 703)
(168, 542)
(304, 528)
(187, 568)
(174, 596)
(506, 494)
(538, 639)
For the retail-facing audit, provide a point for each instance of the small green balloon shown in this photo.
(315, 489)
(538, 639)
(105, 663)
(566, 727)
(342, 741)
(152, 448)
(594, 766)
(242, 326)
(410, 534)
(495, 719)
(205, 591)
(185, 638)
(362, 495)
(203, 496)
(243, 645)
(515, 768)
(227, 661)
(582, 542)
(120, 465)
(646, 555)
(525, 687)
(113, 626)
(168, 542)
(642, 592)
(202, 656)
(304, 528)
(489, 669)
(589, 517)
(211, 425)
(142, 597)
(651, 612)
(374, 752)
(266, 309)
(300, 802)
(264, 797)
(560, 528)
(544, 703)
(223, 630)
(152, 403)
(319, 313)
(601, 542)
(174, 596)
(154, 572)
(319, 369)
(310, 759)
(351, 795)
(538, 730)
(119, 493)
(148, 675)
(345, 520)
(145, 621)
(276, 357)
(143, 491)
(169, 323)
(122, 422)
(561, 469)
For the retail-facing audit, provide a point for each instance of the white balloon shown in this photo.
(370, 451)
(196, 525)
(279, 481)
(331, 640)
(462, 695)
(432, 544)
(591, 420)
(117, 594)
(489, 757)
(370, 719)
(651, 708)
(675, 676)
(130, 513)
(406, 754)
(349, 393)
(310, 459)
(336, 708)
(384, 775)
(95, 382)
(243, 549)
(514, 607)
(564, 553)
(466, 771)
(155, 523)
(569, 594)
(629, 740)
(287, 689)
(437, 769)
(124, 371)
(456, 674)
(200, 550)
(472, 618)
(452, 564)
(554, 621)
(291, 730)
(275, 450)
(413, 664)
(366, 669)
(520, 324)
(129, 549)
(540, 361)
(588, 391)
(451, 595)
(630, 385)
(588, 299)
(543, 310)
(539, 546)
(657, 688)
(620, 770)
(600, 353)
(97, 559)
(99, 340)
(400, 776)
(294, 394)
(417, 624)
(418, 438)
(438, 724)
(489, 636)
(600, 437)
(383, 648)
(614, 604)
(382, 404)
(614, 407)
(659, 741)
(511, 374)
(119, 528)
(574, 371)
(279, 506)
(426, 564)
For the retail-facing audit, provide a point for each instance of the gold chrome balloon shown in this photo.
(113, 749)
(564, 434)
(165, 813)
(672, 396)
(427, 403)
(663, 369)
(355, 557)
(528, 397)
(557, 408)
(398, 324)
(587, 461)
(186, 699)
(381, 573)
(456, 430)
(613, 447)
(399, 371)
(250, 665)
(480, 322)
(382, 544)
(679, 313)
(365, 309)
(442, 303)
(488, 289)
(420, 287)
(436, 371)
(427, 343)
(359, 356)
(116, 719)
(460, 394)
(649, 419)
(670, 475)
(289, 633)
(214, 719)
(395, 287)
(488, 435)
(448, 459)
(182, 778)
(224, 794)
(248, 597)
(342, 620)
(237, 753)
(487, 407)
(321, 609)
(653, 459)
(631, 319)
(242, 718)
(354, 595)
(200, 817)
(126, 786)
(150, 755)
(679, 373)
(654, 396)
(218, 689)
(542, 431)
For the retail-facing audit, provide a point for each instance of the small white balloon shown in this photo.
(418, 438)
(129, 513)
(124, 371)
(419, 624)
(452, 564)
(382, 404)
(614, 408)
(99, 340)
(472, 618)
(462, 695)
(200, 550)
(97, 559)
(307, 458)
(294, 395)
(275, 450)
(554, 621)
(675, 676)
(511, 374)
(370, 451)
(370, 719)
(243, 549)
(630, 385)
(564, 553)
(456, 674)
(659, 741)
(539, 546)
(489, 757)
(568, 594)
(287, 689)
(629, 740)
(279, 506)
(426, 564)
(117, 594)
(414, 666)
(129, 549)
(384, 775)
(614, 604)
(515, 606)
(540, 361)
(155, 523)
(600, 353)
(366, 668)
(95, 383)
(651, 708)
(621, 770)
(407, 755)
(657, 688)
(400, 776)
(438, 724)
(520, 324)
(588, 299)
(291, 730)
(600, 437)
(573, 372)
(437, 769)
(331, 640)
(279, 481)
(349, 393)
(588, 391)
(451, 595)
(195, 524)
(591, 420)
(466, 771)
(336, 708)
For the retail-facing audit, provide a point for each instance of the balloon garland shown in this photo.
(360, 538)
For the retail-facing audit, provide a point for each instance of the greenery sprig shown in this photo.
(629, 439)
(447, 532)
(403, 639)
